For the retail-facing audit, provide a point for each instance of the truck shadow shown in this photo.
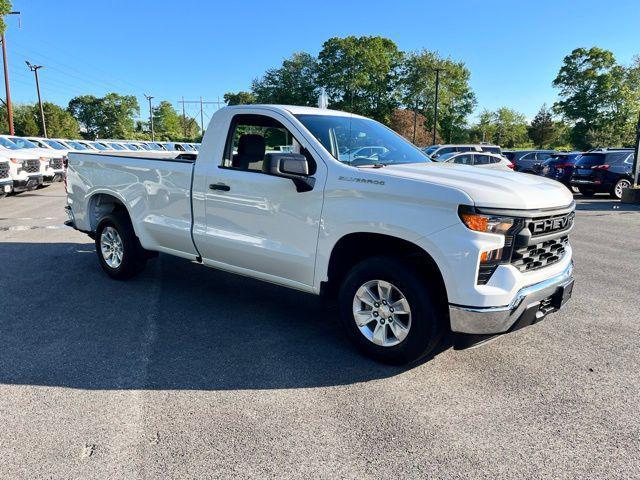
(176, 326)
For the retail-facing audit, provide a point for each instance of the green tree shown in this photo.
(166, 121)
(60, 123)
(361, 75)
(239, 98)
(171, 126)
(542, 130)
(26, 120)
(504, 127)
(5, 8)
(111, 116)
(598, 96)
(456, 99)
(294, 83)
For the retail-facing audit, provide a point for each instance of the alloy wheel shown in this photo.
(111, 247)
(382, 313)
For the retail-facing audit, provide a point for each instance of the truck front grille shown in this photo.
(56, 163)
(539, 255)
(4, 170)
(31, 166)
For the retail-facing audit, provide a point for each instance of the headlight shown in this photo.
(489, 259)
(486, 223)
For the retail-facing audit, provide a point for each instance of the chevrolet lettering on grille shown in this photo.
(550, 225)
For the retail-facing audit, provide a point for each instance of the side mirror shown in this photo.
(293, 166)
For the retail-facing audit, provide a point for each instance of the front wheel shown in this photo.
(119, 252)
(616, 191)
(388, 313)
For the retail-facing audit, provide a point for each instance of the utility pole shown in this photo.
(201, 116)
(34, 69)
(184, 121)
(415, 120)
(435, 106)
(202, 103)
(6, 79)
(153, 135)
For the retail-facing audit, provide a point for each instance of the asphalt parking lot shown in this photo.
(187, 372)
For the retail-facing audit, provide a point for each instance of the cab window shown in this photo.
(251, 137)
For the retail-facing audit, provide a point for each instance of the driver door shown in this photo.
(257, 222)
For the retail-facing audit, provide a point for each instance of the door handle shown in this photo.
(220, 186)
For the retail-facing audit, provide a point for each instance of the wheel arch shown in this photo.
(352, 248)
(101, 204)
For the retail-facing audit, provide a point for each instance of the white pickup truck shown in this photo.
(410, 248)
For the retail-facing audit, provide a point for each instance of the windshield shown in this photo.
(430, 150)
(54, 144)
(99, 146)
(116, 146)
(359, 141)
(8, 144)
(76, 145)
(23, 143)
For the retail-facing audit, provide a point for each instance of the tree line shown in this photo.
(369, 75)
(111, 116)
(598, 104)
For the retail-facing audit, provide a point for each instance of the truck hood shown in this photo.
(488, 187)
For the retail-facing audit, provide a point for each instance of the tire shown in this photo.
(115, 233)
(616, 191)
(586, 192)
(424, 325)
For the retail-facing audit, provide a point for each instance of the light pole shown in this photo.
(149, 97)
(34, 69)
(435, 105)
(415, 120)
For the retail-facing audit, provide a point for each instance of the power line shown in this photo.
(202, 103)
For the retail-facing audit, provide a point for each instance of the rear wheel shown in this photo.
(587, 192)
(388, 313)
(119, 252)
(616, 191)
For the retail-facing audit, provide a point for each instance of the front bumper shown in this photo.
(52, 176)
(529, 305)
(29, 183)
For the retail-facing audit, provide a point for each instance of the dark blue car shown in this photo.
(559, 166)
(609, 171)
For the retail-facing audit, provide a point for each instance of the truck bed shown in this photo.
(156, 188)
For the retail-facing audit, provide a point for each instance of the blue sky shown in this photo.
(206, 48)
